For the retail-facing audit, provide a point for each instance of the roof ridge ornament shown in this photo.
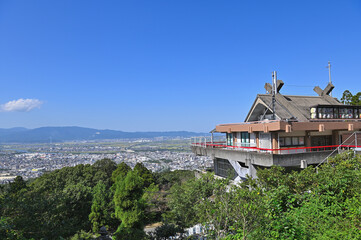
(328, 89)
(269, 88)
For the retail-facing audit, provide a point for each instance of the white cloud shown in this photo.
(21, 105)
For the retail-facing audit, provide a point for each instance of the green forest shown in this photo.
(74, 202)
(349, 99)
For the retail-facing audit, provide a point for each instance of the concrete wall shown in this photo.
(253, 160)
(294, 160)
(263, 159)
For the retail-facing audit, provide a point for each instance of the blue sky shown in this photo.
(167, 65)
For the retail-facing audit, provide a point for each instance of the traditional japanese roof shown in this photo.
(288, 106)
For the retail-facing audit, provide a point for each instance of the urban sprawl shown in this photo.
(32, 160)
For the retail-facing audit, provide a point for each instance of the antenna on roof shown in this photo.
(329, 74)
(274, 91)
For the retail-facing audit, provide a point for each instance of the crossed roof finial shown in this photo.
(328, 89)
(268, 86)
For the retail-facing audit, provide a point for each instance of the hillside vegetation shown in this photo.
(74, 202)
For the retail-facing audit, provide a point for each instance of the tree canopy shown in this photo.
(350, 99)
(74, 202)
(304, 204)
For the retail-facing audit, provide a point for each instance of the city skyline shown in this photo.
(167, 65)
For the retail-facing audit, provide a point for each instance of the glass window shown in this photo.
(325, 111)
(329, 112)
(335, 113)
(224, 168)
(229, 139)
(282, 142)
(313, 113)
(349, 113)
(320, 113)
(245, 137)
(342, 113)
(291, 141)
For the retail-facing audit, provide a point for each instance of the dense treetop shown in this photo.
(74, 202)
(350, 99)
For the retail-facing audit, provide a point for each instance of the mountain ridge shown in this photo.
(74, 133)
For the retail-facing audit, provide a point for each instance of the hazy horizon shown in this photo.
(99, 129)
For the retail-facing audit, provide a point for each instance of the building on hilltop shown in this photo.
(285, 130)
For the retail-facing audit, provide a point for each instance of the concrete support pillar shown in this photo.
(335, 137)
(275, 142)
(308, 139)
(252, 171)
(215, 167)
(257, 139)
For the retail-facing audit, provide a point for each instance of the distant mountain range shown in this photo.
(61, 134)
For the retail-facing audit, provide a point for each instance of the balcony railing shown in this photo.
(202, 142)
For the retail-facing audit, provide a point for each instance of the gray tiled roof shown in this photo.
(290, 106)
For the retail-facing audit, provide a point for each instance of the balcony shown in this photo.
(287, 157)
(206, 142)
